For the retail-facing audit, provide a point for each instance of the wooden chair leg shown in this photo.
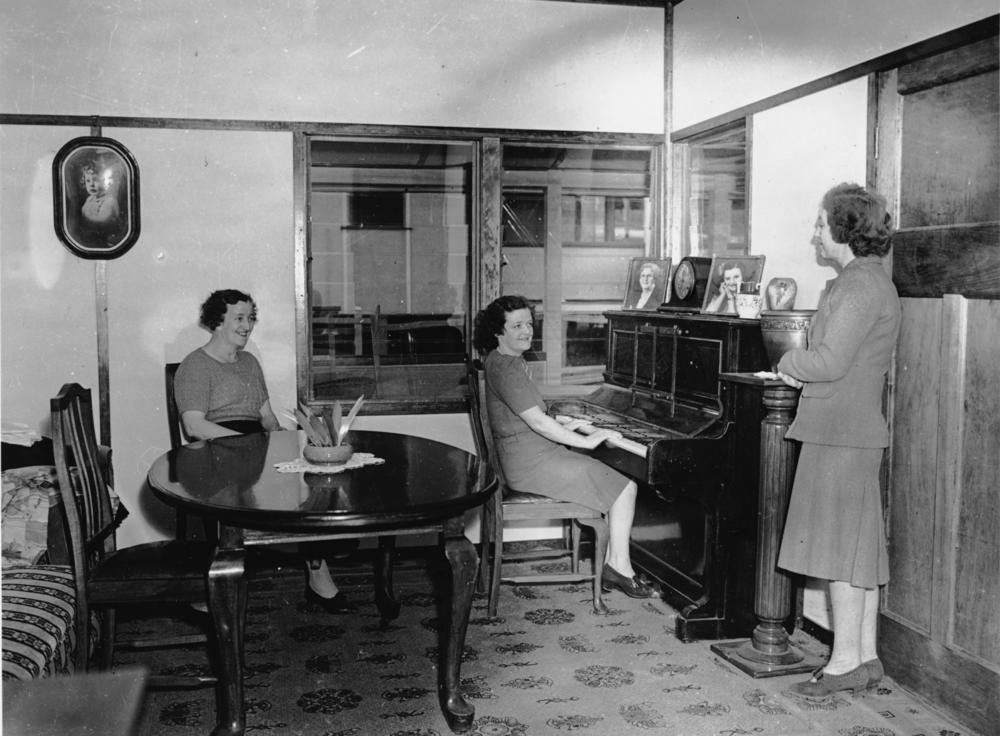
(106, 654)
(600, 527)
(574, 533)
(385, 600)
(496, 555)
(485, 525)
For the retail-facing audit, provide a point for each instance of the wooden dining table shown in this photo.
(420, 486)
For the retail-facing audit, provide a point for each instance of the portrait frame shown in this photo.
(633, 290)
(95, 188)
(715, 301)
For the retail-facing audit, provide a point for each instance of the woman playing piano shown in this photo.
(532, 446)
(834, 527)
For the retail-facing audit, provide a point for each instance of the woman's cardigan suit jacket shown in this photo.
(851, 340)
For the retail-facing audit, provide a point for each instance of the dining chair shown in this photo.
(107, 578)
(178, 437)
(510, 505)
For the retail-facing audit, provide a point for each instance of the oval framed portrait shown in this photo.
(95, 186)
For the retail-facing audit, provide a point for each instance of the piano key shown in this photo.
(588, 428)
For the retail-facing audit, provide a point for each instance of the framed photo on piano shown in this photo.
(725, 278)
(646, 287)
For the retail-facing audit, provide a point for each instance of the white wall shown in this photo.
(486, 63)
(217, 205)
(729, 53)
(800, 150)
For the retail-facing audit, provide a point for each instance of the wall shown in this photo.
(217, 205)
(729, 53)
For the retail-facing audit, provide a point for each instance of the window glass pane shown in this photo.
(594, 211)
(715, 219)
(389, 243)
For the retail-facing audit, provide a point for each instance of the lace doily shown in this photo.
(300, 465)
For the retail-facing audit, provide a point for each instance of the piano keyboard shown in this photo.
(636, 448)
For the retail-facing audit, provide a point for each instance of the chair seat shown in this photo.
(157, 571)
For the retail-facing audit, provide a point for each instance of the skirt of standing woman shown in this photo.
(834, 528)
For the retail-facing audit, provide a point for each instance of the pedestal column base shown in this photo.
(758, 664)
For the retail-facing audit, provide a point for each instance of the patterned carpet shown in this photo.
(547, 665)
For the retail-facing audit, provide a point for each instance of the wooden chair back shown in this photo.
(90, 518)
(178, 436)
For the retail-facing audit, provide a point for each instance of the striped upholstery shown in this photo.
(39, 606)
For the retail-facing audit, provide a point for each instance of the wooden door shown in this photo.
(937, 141)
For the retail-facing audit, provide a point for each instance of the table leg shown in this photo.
(385, 599)
(227, 603)
(464, 561)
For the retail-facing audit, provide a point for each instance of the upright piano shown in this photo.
(694, 447)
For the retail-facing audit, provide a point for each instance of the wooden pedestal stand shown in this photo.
(768, 653)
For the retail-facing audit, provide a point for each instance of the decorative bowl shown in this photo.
(784, 330)
(327, 455)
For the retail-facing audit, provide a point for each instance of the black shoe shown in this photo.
(338, 604)
(632, 587)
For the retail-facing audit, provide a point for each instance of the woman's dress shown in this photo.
(531, 462)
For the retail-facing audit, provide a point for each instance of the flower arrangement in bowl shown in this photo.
(325, 432)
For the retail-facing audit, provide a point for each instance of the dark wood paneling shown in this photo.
(966, 689)
(930, 262)
(966, 61)
(976, 606)
(910, 508)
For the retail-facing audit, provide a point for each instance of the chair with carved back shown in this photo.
(387, 605)
(106, 578)
(510, 505)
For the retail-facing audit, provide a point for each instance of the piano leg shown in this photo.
(768, 653)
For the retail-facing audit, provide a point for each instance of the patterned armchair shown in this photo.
(39, 598)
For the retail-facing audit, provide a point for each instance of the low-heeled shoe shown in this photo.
(875, 672)
(823, 685)
(338, 604)
(632, 587)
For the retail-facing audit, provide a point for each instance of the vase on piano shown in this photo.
(784, 330)
(781, 293)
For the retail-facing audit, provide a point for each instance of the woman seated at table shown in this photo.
(532, 446)
(220, 391)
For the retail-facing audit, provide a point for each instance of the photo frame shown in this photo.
(95, 186)
(724, 279)
(647, 282)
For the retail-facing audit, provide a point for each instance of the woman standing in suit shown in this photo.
(834, 529)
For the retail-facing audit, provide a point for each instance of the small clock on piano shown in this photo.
(688, 285)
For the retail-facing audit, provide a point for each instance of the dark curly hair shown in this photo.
(214, 309)
(859, 218)
(490, 321)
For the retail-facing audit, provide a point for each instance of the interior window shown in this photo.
(388, 269)
(573, 218)
(714, 185)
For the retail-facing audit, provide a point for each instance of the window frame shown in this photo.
(485, 222)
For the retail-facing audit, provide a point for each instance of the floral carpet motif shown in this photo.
(546, 665)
